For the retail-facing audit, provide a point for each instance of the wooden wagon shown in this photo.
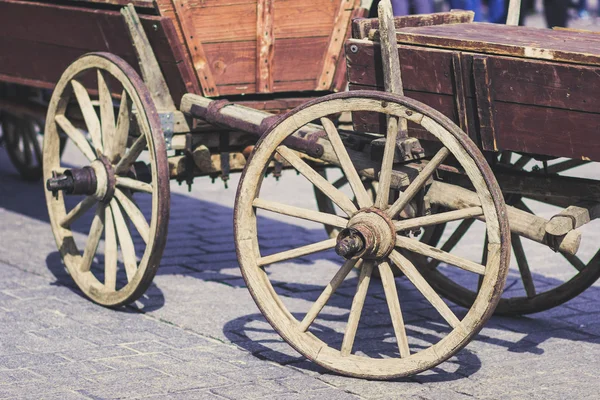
(435, 130)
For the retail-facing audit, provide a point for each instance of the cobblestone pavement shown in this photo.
(197, 334)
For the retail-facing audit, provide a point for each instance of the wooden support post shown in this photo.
(392, 76)
(264, 46)
(150, 68)
(514, 11)
(147, 61)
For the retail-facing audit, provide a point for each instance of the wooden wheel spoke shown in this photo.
(440, 255)
(340, 182)
(76, 136)
(93, 238)
(418, 183)
(393, 302)
(440, 218)
(565, 166)
(321, 217)
(385, 175)
(523, 265)
(134, 213)
(134, 184)
(521, 162)
(298, 252)
(122, 130)
(127, 247)
(89, 114)
(107, 116)
(134, 152)
(453, 240)
(356, 309)
(364, 200)
(335, 282)
(411, 272)
(77, 211)
(110, 253)
(574, 261)
(321, 183)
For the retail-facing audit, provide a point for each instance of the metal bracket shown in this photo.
(167, 122)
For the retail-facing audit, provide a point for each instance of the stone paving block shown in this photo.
(18, 376)
(256, 390)
(153, 360)
(189, 395)
(27, 360)
(97, 352)
(200, 368)
(316, 395)
(60, 395)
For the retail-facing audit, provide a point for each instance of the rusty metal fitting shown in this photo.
(370, 234)
(74, 181)
(350, 243)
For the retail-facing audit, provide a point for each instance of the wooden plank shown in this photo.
(547, 131)
(376, 123)
(340, 79)
(264, 46)
(484, 99)
(234, 63)
(339, 31)
(362, 27)
(517, 41)
(193, 42)
(544, 83)
(426, 70)
(184, 62)
(237, 20)
(143, 5)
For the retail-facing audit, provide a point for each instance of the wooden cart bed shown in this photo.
(510, 88)
(209, 47)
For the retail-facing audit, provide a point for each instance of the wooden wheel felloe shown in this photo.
(112, 184)
(529, 289)
(371, 236)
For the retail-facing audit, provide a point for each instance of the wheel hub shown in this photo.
(370, 234)
(98, 180)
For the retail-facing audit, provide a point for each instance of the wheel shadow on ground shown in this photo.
(209, 255)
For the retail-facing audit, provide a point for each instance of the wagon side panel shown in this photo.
(501, 101)
(38, 42)
(263, 46)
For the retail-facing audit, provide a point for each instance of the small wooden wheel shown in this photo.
(22, 142)
(528, 289)
(113, 184)
(371, 235)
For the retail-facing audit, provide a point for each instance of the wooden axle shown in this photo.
(250, 120)
(521, 222)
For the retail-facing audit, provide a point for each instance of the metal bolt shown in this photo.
(354, 48)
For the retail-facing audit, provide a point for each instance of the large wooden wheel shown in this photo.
(371, 236)
(529, 289)
(112, 184)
